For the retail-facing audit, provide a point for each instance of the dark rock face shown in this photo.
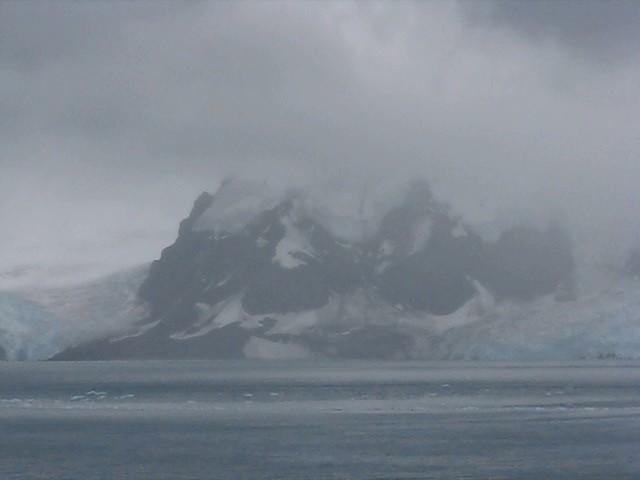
(437, 278)
(275, 290)
(421, 259)
(632, 264)
(227, 342)
(526, 263)
(433, 273)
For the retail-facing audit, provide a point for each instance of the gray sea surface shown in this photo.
(233, 420)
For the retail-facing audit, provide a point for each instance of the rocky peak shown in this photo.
(202, 203)
(253, 261)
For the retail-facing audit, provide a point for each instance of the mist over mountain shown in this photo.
(117, 114)
(521, 117)
(334, 270)
(343, 268)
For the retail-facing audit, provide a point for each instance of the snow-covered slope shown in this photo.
(36, 324)
(599, 324)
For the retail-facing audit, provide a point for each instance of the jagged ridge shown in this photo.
(251, 266)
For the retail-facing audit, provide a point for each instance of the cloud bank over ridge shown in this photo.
(115, 116)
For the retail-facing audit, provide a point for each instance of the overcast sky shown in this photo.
(115, 115)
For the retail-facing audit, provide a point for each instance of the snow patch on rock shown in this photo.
(293, 247)
(136, 331)
(604, 324)
(236, 204)
(260, 348)
(470, 312)
(421, 235)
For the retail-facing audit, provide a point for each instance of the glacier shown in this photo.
(35, 324)
(27, 330)
(597, 324)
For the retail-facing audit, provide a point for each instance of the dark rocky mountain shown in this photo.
(632, 264)
(253, 273)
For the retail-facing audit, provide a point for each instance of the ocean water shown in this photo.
(234, 420)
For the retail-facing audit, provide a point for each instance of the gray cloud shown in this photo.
(114, 115)
(602, 30)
